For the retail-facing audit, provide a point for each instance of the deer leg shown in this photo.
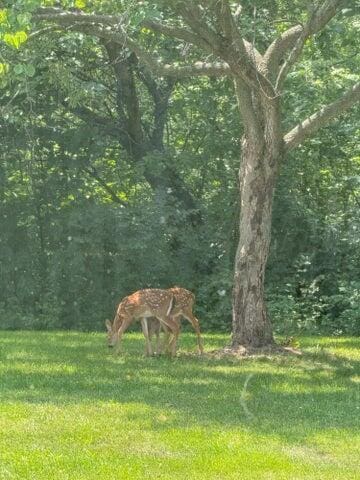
(154, 327)
(173, 341)
(158, 340)
(174, 328)
(172, 344)
(145, 329)
(195, 323)
(165, 343)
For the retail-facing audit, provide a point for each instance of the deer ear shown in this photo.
(108, 325)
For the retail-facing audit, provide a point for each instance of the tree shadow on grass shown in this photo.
(287, 396)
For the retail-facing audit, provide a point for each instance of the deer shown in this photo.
(182, 306)
(150, 302)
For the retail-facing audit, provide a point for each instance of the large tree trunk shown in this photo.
(261, 153)
(251, 323)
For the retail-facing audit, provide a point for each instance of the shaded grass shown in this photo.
(71, 409)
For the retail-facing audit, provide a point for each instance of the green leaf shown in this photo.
(23, 19)
(80, 3)
(149, 13)
(16, 39)
(4, 68)
(3, 15)
(19, 69)
(29, 70)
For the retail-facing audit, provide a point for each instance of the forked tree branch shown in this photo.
(278, 48)
(292, 41)
(190, 37)
(127, 98)
(292, 58)
(321, 118)
(161, 95)
(227, 42)
(193, 16)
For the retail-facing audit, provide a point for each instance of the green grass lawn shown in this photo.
(71, 409)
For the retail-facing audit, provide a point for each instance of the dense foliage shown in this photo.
(85, 222)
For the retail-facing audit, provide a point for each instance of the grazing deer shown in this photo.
(151, 302)
(182, 306)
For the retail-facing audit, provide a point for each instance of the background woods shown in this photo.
(114, 177)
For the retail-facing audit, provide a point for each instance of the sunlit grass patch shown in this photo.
(71, 409)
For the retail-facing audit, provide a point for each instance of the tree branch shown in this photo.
(108, 126)
(190, 37)
(279, 47)
(226, 22)
(160, 94)
(194, 18)
(295, 37)
(93, 173)
(321, 118)
(89, 116)
(103, 26)
(64, 17)
(176, 32)
(127, 98)
(292, 58)
(245, 64)
(227, 43)
(246, 108)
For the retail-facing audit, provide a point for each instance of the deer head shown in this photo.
(112, 336)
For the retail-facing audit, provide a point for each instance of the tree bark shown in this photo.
(251, 323)
(260, 159)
